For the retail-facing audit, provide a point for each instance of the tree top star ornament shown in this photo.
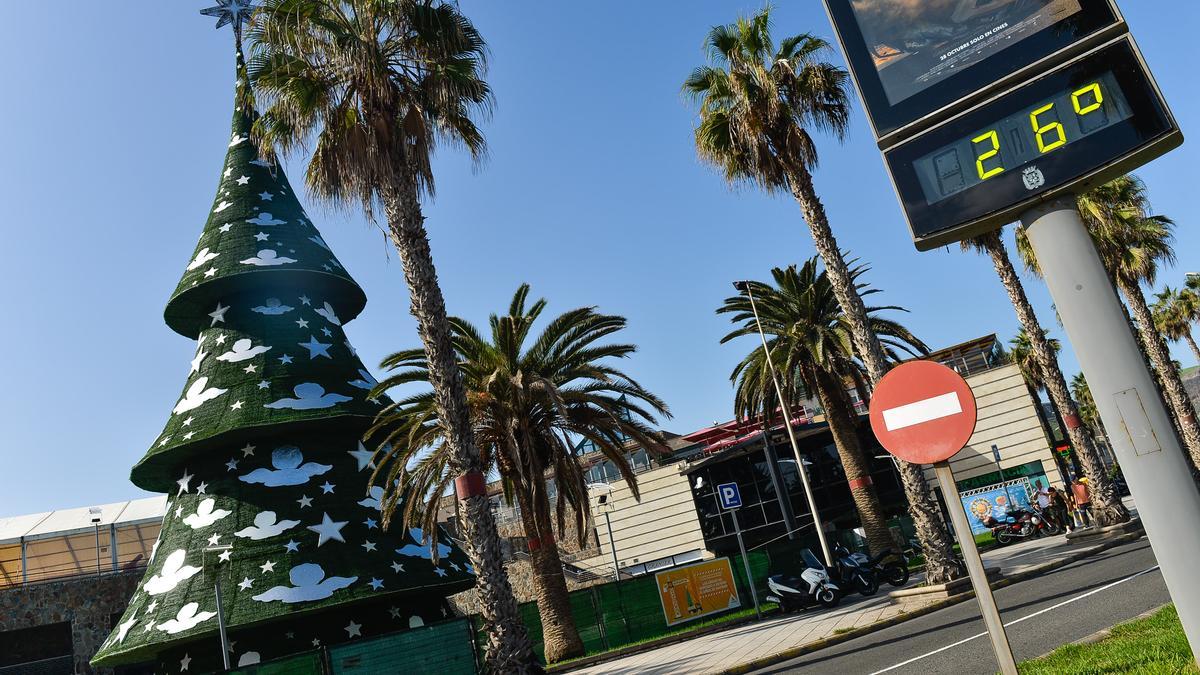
(262, 454)
(231, 12)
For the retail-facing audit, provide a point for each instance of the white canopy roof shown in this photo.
(67, 521)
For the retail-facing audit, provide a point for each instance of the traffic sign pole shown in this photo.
(746, 561)
(1127, 398)
(983, 590)
(924, 412)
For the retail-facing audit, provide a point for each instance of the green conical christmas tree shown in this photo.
(262, 452)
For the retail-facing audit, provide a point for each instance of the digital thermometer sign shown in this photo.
(1091, 120)
(1023, 137)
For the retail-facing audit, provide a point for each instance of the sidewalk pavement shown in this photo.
(813, 629)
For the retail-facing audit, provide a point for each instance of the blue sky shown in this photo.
(117, 119)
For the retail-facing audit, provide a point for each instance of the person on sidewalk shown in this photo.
(1083, 500)
(1059, 511)
(1043, 496)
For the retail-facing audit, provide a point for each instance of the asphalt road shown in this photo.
(1100, 591)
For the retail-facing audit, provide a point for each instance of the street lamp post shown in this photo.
(605, 504)
(745, 286)
(95, 512)
(223, 554)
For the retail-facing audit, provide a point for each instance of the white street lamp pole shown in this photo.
(1127, 398)
(218, 551)
(787, 424)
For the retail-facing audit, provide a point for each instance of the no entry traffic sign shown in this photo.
(923, 412)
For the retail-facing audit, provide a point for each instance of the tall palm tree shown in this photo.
(529, 395)
(376, 86)
(1174, 313)
(1132, 244)
(1024, 355)
(1082, 393)
(809, 337)
(1037, 357)
(758, 103)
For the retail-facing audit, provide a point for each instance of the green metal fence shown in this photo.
(445, 648)
(613, 615)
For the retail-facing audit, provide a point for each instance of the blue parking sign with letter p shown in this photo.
(730, 497)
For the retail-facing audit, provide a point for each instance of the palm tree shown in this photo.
(1174, 312)
(809, 338)
(758, 103)
(529, 395)
(1036, 355)
(1132, 244)
(376, 86)
(1024, 354)
(1088, 412)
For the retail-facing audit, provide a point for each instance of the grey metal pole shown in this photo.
(221, 621)
(737, 529)
(97, 549)
(612, 544)
(787, 424)
(1127, 398)
(1004, 483)
(983, 591)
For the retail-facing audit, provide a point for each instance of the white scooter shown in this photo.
(811, 587)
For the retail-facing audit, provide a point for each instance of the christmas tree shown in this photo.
(269, 481)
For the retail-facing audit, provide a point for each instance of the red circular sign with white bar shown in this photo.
(923, 412)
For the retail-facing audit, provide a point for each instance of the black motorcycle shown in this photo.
(849, 574)
(890, 566)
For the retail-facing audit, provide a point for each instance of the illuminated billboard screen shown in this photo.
(917, 43)
(913, 57)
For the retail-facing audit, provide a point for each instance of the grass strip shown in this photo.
(1151, 646)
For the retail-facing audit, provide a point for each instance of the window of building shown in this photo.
(38, 649)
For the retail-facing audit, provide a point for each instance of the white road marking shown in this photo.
(918, 412)
(1064, 603)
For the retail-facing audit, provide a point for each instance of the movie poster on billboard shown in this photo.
(915, 44)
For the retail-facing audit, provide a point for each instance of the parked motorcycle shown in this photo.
(894, 570)
(813, 586)
(850, 574)
(1021, 524)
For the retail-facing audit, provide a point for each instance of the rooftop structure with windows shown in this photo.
(81, 541)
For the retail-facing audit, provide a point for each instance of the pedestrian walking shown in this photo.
(1059, 511)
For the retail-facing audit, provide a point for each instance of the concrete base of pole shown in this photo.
(1141, 433)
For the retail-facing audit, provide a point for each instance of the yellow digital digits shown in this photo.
(1042, 130)
(1050, 134)
(1094, 89)
(994, 138)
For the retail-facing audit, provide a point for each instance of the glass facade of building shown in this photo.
(762, 516)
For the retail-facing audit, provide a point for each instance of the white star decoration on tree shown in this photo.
(328, 530)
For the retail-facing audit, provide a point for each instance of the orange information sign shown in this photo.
(697, 590)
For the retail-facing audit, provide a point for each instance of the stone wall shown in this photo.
(520, 572)
(88, 603)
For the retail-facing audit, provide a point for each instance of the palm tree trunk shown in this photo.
(858, 474)
(508, 648)
(560, 637)
(940, 562)
(1176, 395)
(1192, 343)
(1106, 502)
